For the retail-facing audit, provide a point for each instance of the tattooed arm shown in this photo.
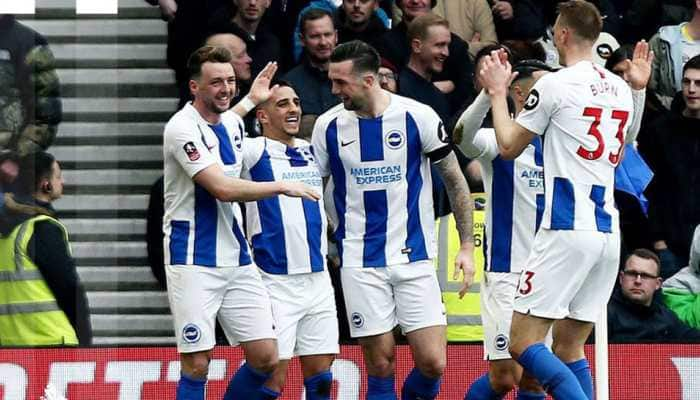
(460, 200)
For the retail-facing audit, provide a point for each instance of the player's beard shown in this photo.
(211, 105)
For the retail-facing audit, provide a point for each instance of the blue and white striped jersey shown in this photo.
(287, 234)
(514, 201)
(382, 187)
(199, 229)
(584, 112)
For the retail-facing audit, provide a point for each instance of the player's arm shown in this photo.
(495, 76)
(224, 188)
(260, 91)
(460, 201)
(469, 123)
(638, 72)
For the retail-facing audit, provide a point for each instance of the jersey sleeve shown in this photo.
(540, 105)
(252, 151)
(184, 142)
(484, 145)
(319, 147)
(433, 136)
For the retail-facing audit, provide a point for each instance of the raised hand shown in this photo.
(260, 90)
(496, 73)
(639, 68)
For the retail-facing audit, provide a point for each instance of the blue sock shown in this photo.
(481, 390)
(554, 376)
(380, 388)
(190, 388)
(582, 370)
(419, 386)
(318, 387)
(246, 384)
(524, 395)
(265, 393)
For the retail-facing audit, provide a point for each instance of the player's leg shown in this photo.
(529, 388)
(572, 333)
(497, 382)
(372, 316)
(317, 376)
(195, 294)
(378, 354)
(558, 266)
(569, 339)
(421, 314)
(246, 318)
(317, 335)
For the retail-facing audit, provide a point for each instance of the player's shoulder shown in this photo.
(412, 106)
(299, 142)
(232, 120)
(327, 117)
(184, 119)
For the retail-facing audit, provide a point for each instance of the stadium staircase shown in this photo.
(117, 95)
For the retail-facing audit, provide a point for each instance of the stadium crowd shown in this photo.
(286, 80)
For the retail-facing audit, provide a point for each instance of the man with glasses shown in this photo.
(635, 314)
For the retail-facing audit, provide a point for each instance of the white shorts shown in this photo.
(236, 295)
(303, 306)
(569, 274)
(497, 295)
(377, 299)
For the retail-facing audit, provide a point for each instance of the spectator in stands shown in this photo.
(310, 78)
(630, 21)
(471, 20)
(244, 18)
(187, 29)
(673, 46)
(455, 78)
(30, 100)
(37, 264)
(682, 290)
(429, 37)
(635, 314)
(388, 76)
(671, 146)
(358, 20)
(521, 19)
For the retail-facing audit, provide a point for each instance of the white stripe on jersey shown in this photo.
(382, 184)
(584, 112)
(514, 202)
(288, 234)
(199, 229)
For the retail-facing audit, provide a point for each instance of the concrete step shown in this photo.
(104, 226)
(104, 133)
(132, 302)
(131, 325)
(109, 55)
(134, 105)
(108, 250)
(111, 177)
(118, 278)
(51, 9)
(117, 153)
(84, 203)
(100, 30)
(134, 341)
(112, 76)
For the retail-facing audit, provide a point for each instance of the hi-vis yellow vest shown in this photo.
(29, 314)
(463, 316)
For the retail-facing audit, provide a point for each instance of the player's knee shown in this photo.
(195, 365)
(432, 367)
(382, 366)
(265, 362)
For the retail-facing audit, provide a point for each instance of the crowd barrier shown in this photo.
(643, 372)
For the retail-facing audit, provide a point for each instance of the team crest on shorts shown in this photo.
(191, 333)
(191, 151)
(357, 320)
(501, 342)
(395, 139)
